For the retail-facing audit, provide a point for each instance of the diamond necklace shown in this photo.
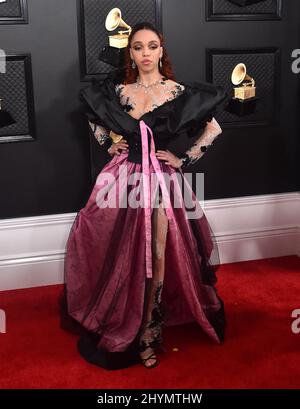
(146, 87)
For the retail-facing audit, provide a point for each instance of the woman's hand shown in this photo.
(169, 158)
(114, 149)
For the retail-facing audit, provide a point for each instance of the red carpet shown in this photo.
(260, 350)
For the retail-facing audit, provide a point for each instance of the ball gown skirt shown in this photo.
(132, 270)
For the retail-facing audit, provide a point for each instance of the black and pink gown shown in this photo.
(132, 270)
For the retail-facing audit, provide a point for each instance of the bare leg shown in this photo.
(152, 320)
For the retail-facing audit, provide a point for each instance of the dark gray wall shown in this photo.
(52, 174)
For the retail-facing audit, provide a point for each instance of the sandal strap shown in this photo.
(153, 356)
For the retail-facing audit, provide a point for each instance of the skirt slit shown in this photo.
(151, 332)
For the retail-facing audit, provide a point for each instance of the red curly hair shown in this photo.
(132, 73)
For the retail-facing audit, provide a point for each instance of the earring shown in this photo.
(160, 63)
(133, 65)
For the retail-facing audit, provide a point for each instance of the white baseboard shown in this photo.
(32, 249)
(255, 227)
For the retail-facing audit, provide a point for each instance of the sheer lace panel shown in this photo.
(100, 133)
(152, 334)
(206, 139)
(136, 102)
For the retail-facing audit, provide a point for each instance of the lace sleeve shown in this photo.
(102, 135)
(206, 139)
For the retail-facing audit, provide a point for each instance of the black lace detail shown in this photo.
(177, 90)
(152, 336)
(128, 106)
(123, 100)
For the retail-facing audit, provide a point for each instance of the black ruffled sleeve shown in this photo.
(198, 107)
(185, 116)
(86, 98)
(100, 104)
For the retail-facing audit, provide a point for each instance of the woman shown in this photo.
(131, 268)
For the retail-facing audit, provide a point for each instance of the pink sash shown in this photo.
(147, 190)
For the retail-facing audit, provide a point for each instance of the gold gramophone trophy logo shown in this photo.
(245, 84)
(244, 97)
(113, 52)
(112, 22)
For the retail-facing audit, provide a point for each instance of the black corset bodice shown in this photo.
(135, 149)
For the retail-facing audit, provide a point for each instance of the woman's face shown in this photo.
(145, 50)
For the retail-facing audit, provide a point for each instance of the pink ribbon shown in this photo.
(147, 190)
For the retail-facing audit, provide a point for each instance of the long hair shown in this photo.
(132, 73)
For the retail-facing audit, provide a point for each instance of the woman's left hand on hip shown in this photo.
(169, 158)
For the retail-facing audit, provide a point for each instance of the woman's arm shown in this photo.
(102, 135)
(206, 139)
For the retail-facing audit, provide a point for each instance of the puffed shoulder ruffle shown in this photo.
(186, 114)
(189, 112)
(101, 104)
